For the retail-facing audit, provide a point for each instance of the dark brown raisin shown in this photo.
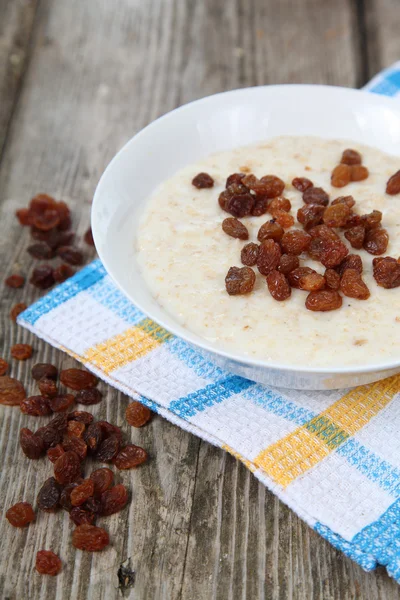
(376, 241)
(234, 178)
(249, 254)
(351, 157)
(203, 180)
(393, 184)
(54, 453)
(240, 205)
(287, 263)
(49, 495)
(72, 443)
(3, 366)
(53, 238)
(65, 497)
(332, 279)
(77, 379)
(16, 310)
(62, 273)
(48, 387)
(36, 406)
(358, 173)
(108, 429)
(80, 516)
(347, 200)
(61, 402)
(352, 261)
(90, 538)
(89, 396)
(75, 428)
(235, 189)
(269, 185)
(323, 300)
(108, 449)
(12, 391)
(371, 220)
(239, 280)
(93, 505)
(302, 184)
(270, 231)
(102, 479)
(235, 228)
(72, 256)
(93, 436)
(65, 216)
(59, 422)
(386, 272)
(113, 500)
(268, 257)
(355, 236)
(278, 286)
(42, 277)
(67, 468)
(352, 285)
(279, 203)
(129, 457)
(15, 281)
(137, 414)
(88, 237)
(41, 370)
(21, 351)
(20, 514)
(260, 206)
(47, 563)
(82, 492)
(49, 435)
(295, 242)
(316, 195)
(310, 215)
(81, 415)
(41, 250)
(304, 278)
(337, 215)
(31, 444)
(329, 252)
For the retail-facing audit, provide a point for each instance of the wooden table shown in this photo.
(77, 79)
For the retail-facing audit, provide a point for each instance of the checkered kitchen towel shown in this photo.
(333, 457)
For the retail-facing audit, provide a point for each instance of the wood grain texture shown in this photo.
(382, 21)
(199, 525)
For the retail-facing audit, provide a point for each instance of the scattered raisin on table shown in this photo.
(386, 272)
(358, 173)
(21, 351)
(75, 444)
(376, 241)
(203, 180)
(12, 392)
(287, 263)
(36, 406)
(93, 505)
(393, 184)
(323, 300)
(93, 436)
(337, 215)
(352, 261)
(50, 435)
(61, 402)
(355, 236)
(54, 453)
(42, 277)
(41, 251)
(278, 286)
(75, 428)
(24, 216)
(88, 396)
(80, 516)
(48, 387)
(77, 379)
(108, 449)
(72, 256)
(269, 185)
(48, 219)
(67, 468)
(41, 370)
(332, 279)
(347, 200)
(15, 281)
(108, 429)
(47, 563)
(240, 280)
(235, 228)
(82, 492)
(16, 310)
(62, 273)
(137, 414)
(351, 157)
(88, 237)
(279, 203)
(310, 215)
(271, 230)
(131, 456)
(49, 495)
(20, 514)
(90, 538)
(302, 183)
(31, 444)
(3, 367)
(352, 285)
(249, 254)
(268, 256)
(295, 241)
(81, 415)
(113, 500)
(341, 176)
(316, 195)
(102, 479)
(65, 497)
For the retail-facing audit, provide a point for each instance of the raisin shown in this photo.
(108, 449)
(324, 232)
(72, 256)
(279, 203)
(79, 516)
(61, 402)
(347, 200)
(65, 216)
(352, 261)
(49, 494)
(42, 277)
(235, 228)
(269, 185)
(81, 416)
(88, 237)
(88, 396)
(359, 173)
(352, 285)
(310, 215)
(21, 351)
(20, 514)
(323, 300)
(62, 273)
(270, 231)
(393, 185)
(93, 436)
(329, 252)
(268, 257)
(75, 428)
(49, 435)
(355, 236)
(295, 242)
(376, 241)
(239, 280)
(65, 497)
(31, 444)
(3, 367)
(371, 220)
(386, 272)
(15, 281)
(47, 563)
(77, 379)
(240, 205)
(137, 414)
(316, 195)
(72, 443)
(59, 423)
(203, 180)
(283, 219)
(249, 254)
(332, 279)
(236, 189)
(36, 406)
(108, 429)
(351, 157)
(82, 492)
(337, 215)
(102, 479)
(41, 370)
(48, 387)
(113, 500)
(93, 505)
(287, 263)
(54, 453)
(341, 176)
(12, 391)
(53, 238)
(278, 286)
(234, 178)
(16, 310)
(68, 467)
(47, 220)
(307, 279)
(41, 202)
(302, 184)
(24, 216)
(90, 538)
(260, 206)
(41, 251)
(130, 456)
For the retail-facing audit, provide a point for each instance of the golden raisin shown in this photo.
(295, 241)
(268, 257)
(235, 228)
(16, 310)
(323, 300)
(278, 286)
(393, 184)
(249, 254)
(386, 272)
(137, 414)
(351, 157)
(271, 230)
(358, 173)
(353, 286)
(376, 241)
(239, 280)
(21, 351)
(3, 366)
(341, 176)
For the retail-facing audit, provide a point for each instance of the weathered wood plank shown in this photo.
(382, 18)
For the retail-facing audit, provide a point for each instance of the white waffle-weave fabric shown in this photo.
(333, 457)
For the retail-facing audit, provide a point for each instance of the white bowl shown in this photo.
(223, 122)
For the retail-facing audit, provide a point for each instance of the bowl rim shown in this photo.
(201, 342)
